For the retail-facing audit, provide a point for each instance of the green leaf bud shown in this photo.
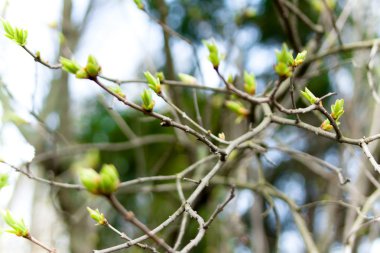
(337, 109)
(309, 96)
(117, 90)
(90, 180)
(237, 108)
(148, 102)
(16, 34)
(18, 226)
(160, 75)
(153, 82)
(300, 58)
(249, 83)
(326, 125)
(285, 55)
(82, 74)
(69, 66)
(109, 179)
(283, 70)
(97, 216)
(214, 56)
(92, 67)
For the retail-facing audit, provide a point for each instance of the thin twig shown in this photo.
(370, 157)
(38, 59)
(333, 22)
(220, 208)
(332, 121)
(305, 19)
(125, 237)
(37, 242)
(130, 217)
(44, 181)
(166, 121)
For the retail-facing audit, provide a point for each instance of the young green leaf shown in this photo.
(92, 67)
(82, 74)
(326, 125)
(283, 70)
(153, 82)
(249, 83)
(309, 96)
(237, 108)
(18, 226)
(97, 216)
(148, 102)
(214, 55)
(16, 34)
(337, 109)
(285, 55)
(160, 75)
(9, 32)
(69, 66)
(117, 90)
(300, 58)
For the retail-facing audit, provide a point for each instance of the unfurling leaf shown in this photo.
(326, 125)
(337, 109)
(117, 90)
(309, 96)
(237, 108)
(97, 216)
(148, 102)
(214, 55)
(82, 74)
(286, 63)
(285, 55)
(153, 82)
(92, 68)
(249, 83)
(300, 58)
(283, 70)
(14, 33)
(69, 66)
(160, 75)
(18, 226)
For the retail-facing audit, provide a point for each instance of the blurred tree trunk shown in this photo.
(58, 102)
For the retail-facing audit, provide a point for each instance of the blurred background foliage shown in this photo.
(241, 27)
(198, 20)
